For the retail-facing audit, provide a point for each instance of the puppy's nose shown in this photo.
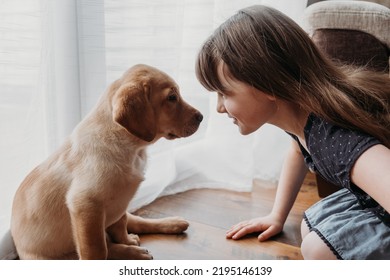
(199, 117)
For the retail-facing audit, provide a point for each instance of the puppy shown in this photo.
(73, 205)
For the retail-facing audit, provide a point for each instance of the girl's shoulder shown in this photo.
(322, 134)
(319, 132)
(334, 149)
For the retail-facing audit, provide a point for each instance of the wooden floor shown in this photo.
(212, 212)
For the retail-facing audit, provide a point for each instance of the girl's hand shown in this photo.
(268, 226)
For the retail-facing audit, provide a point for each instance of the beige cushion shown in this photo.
(364, 16)
(382, 2)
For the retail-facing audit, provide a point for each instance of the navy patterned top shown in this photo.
(333, 150)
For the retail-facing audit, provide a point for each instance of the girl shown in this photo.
(266, 69)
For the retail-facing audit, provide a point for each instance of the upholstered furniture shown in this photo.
(350, 32)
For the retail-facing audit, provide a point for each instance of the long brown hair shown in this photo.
(267, 50)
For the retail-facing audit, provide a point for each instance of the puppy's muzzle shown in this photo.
(193, 125)
(189, 127)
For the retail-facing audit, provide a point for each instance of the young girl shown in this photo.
(266, 69)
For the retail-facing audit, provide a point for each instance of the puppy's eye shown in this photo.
(172, 97)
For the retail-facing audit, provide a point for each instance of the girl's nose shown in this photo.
(220, 106)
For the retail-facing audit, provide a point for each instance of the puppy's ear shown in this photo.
(133, 110)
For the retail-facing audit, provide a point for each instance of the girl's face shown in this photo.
(249, 107)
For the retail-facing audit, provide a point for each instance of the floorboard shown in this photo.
(212, 212)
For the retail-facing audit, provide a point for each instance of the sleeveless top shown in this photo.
(333, 150)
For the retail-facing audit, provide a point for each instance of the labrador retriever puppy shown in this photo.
(73, 205)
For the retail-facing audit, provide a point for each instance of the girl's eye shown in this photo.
(172, 97)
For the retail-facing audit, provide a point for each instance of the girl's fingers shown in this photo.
(265, 235)
(268, 233)
(243, 230)
(234, 229)
(267, 229)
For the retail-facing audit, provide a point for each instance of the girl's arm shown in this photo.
(371, 173)
(293, 173)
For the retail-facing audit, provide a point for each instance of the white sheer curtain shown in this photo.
(57, 57)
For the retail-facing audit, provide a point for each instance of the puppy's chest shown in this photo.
(126, 184)
(117, 203)
(138, 163)
(129, 179)
(131, 168)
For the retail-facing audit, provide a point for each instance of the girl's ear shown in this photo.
(132, 109)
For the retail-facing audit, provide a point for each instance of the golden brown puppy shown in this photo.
(74, 204)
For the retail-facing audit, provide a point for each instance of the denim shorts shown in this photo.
(350, 231)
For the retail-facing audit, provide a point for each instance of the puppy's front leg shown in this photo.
(169, 225)
(88, 230)
(122, 245)
(118, 233)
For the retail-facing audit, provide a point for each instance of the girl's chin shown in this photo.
(245, 130)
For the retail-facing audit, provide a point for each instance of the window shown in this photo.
(57, 57)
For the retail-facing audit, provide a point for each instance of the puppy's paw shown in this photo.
(126, 252)
(143, 254)
(173, 225)
(137, 253)
(133, 239)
